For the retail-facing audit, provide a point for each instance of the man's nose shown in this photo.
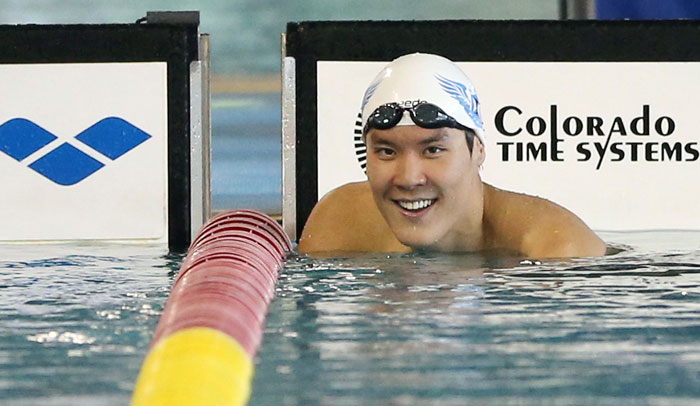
(409, 172)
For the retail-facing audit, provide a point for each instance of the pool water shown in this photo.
(422, 329)
(76, 320)
(418, 329)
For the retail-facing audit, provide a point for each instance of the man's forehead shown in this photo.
(411, 133)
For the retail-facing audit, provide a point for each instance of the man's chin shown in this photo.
(419, 242)
(417, 235)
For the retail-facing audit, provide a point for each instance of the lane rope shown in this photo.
(212, 324)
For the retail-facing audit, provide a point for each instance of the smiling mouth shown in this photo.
(415, 205)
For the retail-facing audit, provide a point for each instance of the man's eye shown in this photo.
(434, 150)
(384, 152)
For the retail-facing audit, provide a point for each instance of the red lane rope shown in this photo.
(228, 278)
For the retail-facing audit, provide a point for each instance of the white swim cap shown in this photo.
(429, 78)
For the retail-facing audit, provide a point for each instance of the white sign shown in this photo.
(616, 143)
(83, 151)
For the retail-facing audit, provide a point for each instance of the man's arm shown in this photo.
(539, 228)
(559, 233)
(564, 241)
(347, 219)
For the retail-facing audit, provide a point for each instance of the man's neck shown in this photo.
(469, 233)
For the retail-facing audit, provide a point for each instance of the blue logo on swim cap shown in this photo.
(466, 96)
(369, 93)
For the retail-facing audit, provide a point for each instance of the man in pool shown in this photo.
(424, 137)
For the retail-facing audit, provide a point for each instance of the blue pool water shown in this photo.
(246, 167)
(76, 320)
(419, 329)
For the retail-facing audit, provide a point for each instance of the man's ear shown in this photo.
(478, 152)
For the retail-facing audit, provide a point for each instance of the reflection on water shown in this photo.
(424, 329)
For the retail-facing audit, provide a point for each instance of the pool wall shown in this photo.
(564, 127)
(112, 118)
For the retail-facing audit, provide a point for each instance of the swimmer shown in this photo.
(424, 136)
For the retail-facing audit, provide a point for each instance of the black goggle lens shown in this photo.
(430, 116)
(424, 115)
(385, 116)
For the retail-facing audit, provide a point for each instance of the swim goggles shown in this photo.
(423, 114)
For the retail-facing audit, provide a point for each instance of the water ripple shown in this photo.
(72, 322)
(423, 328)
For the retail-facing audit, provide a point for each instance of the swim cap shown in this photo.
(429, 78)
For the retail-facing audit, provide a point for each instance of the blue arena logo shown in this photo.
(67, 165)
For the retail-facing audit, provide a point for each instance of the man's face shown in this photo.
(425, 183)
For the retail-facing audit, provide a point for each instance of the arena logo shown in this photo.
(640, 138)
(67, 165)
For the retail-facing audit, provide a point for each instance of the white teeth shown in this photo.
(416, 204)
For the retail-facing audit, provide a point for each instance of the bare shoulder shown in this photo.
(538, 227)
(347, 219)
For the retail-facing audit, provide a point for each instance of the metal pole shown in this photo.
(577, 9)
(200, 138)
(289, 191)
(205, 57)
